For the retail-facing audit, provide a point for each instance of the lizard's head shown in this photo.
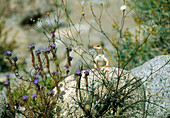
(97, 46)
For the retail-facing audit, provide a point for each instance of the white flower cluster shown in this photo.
(123, 7)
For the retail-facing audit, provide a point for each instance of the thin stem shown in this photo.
(32, 58)
(123, 20)
(47, 64)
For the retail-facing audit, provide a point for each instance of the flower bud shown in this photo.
(78, 73)
(83, 13)
(25, 97)
(86, 72)
(52, 46)
(8, 53)
(15, 58)
(122, 8)
(38, 52)
(32, 46)
(69, 48)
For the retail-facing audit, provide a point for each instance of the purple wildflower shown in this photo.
(51, 92)
(69, 48)
(52, 32)
(7, 76)
(33, 95)
(70, 58)
(37, 68)
(6, 82)
(32, 46)
(8, 53)
(38, 51)
(54, 73)
(86, 72)
(67, 66)
(36, 77)
(47, 49)
(36, 81)
(52, 45)
(25, 97)
(15, 58)
(78, 72)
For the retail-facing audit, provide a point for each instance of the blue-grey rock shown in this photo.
(157, 85)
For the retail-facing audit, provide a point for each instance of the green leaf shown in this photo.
(102, 105)
(1, 86)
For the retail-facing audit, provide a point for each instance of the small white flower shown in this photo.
(123, 7)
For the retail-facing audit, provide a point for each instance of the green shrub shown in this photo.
(152, 19)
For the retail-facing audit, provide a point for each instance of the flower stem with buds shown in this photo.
(32, 58)
(47, 63)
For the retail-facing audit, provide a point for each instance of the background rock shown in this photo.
(18, 10)
(158, 84)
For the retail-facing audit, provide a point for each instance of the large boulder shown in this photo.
(157, 85)
(69, 106)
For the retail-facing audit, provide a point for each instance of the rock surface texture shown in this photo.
(2, 102)
(157, 85)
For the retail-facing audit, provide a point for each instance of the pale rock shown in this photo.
(157, 85)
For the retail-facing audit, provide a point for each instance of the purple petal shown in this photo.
(6, 82)
(78, 72)
(86, 72)
(8, 53)
(38, 51)
(7, 76)
(32, 46)
(70, 58)
(15, 58)
(25, 97)
(36, 81)
(52, 45)
(47, 50)
(51, 92)
(33, 95)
